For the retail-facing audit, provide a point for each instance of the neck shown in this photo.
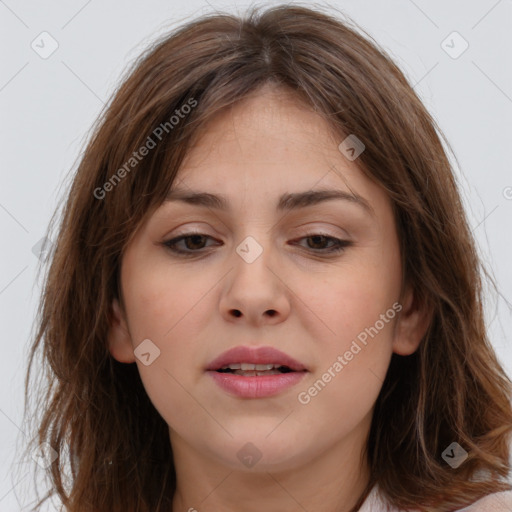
(336, 480)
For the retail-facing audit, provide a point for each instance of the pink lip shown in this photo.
(255, 355)
(255, 387)
(258, 386)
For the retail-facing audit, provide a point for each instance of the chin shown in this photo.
(257, 451)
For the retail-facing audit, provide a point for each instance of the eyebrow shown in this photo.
(287, 202)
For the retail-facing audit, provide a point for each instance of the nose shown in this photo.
(255, 289)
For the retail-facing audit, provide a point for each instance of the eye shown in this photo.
(194, 243)
(317, 239)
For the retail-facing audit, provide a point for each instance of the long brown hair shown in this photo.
(112, 446)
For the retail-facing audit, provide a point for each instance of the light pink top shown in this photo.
(498, 502)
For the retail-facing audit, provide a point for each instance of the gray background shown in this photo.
(48, 104)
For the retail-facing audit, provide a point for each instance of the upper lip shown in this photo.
(255, 355)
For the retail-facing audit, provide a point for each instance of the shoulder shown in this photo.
(498, 502)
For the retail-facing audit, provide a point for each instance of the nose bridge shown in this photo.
(253, 262)
(250, 249)
(255, 232)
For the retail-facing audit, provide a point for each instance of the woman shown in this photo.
(264, 369)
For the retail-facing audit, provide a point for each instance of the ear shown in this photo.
(119, 339)
(412, 324)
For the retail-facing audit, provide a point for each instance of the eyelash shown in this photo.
(339, 247)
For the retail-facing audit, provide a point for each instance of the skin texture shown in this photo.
(265, 146)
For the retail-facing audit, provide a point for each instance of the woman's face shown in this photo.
(263, 276)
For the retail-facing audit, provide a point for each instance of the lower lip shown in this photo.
(256, 387)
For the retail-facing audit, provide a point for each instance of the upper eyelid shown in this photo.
(309, 225)
(180, 237)
(308, 232)
(192, 212)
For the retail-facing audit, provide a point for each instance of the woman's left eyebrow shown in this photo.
(287, 201)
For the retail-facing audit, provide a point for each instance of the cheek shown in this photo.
(352, 298)
(354, 352)
(170, 310)
(359, 347)
(165, 301)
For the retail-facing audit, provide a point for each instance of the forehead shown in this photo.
(273, 118)
(268, 146)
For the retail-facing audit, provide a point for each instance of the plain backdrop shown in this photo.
(49, 102)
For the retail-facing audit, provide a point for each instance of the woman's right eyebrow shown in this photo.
(287, 201)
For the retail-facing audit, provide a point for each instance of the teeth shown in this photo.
(250, 366)
(256, 374)
(261, 367)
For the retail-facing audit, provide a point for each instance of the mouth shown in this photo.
(252, 361)
(255, 370)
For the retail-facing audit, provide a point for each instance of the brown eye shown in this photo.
(318, 240)
(193, 243)
(317, 243)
